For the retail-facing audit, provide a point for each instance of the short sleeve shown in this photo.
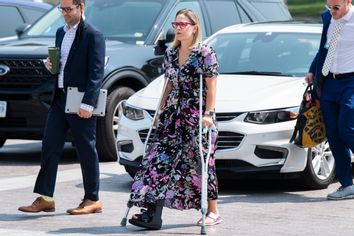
(210, 61)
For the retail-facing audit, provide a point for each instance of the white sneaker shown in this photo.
(342, 193)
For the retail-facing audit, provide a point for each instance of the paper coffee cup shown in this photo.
(53, 54)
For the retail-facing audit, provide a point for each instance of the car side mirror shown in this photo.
(170, 35)
(161, 46)
(21, 29)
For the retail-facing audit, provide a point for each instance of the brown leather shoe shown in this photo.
(39, 205)
(86, 207)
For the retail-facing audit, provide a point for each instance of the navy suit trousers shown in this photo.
(84, 134)
(337, 105)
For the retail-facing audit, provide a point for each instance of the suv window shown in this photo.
(268, 9)
(184, 4)
(125, 26)
(224, 13)
(31, 14)
(113, 18)
(10, 19)
(244, 17)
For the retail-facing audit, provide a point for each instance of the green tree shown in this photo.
(306, 10)
(53, 2)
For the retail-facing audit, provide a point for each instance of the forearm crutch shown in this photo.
(156, 115)
(204, 161)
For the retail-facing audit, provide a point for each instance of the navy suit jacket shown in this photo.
(318, 61)
(85, 63)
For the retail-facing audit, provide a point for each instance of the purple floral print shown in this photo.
(170, 169)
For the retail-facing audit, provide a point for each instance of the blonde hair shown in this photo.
(193, 17)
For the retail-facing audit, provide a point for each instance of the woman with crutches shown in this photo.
(169, 175)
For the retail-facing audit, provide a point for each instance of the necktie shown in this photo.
(332, 48)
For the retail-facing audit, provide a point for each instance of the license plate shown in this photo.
(3, 109)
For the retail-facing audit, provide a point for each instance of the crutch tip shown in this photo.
(130, 204)
(203, 231)
(123, 222)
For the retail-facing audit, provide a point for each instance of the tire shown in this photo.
(2, 142)
(131, 170)
(107, 126)
(320, 167)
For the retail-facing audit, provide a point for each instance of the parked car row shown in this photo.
(259, 91)
(262, 66)
(137, 32)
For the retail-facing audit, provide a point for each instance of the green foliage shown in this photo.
(297, 2)
(308, 10)
(53, 2)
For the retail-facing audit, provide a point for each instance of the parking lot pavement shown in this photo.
(247, 207)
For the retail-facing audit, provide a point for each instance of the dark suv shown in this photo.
(137, 32)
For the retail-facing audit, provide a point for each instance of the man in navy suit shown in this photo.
(334, 84)
(82, 56)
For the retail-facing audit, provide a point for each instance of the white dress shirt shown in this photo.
(68, 40)
(343, 61)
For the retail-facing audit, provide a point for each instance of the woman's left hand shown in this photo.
(207, 121)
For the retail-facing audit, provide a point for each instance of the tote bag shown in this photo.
(310, 129)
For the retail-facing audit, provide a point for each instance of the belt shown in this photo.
(341, 76)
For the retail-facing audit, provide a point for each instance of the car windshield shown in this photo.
(266, 53)
(128, 21)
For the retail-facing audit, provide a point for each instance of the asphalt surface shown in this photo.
(261, 207)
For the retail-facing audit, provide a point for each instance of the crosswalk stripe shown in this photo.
(63, 176)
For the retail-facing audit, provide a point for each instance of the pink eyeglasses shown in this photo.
(181, 24)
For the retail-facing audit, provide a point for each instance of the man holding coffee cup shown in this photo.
(82, 55)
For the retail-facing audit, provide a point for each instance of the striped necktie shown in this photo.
(332, 48)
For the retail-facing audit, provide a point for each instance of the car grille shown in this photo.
(16, 122)
(219, 116)
(24, 73)
(226, 140)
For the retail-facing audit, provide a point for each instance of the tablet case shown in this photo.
(74, 98)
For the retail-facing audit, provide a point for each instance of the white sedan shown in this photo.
(259, 90)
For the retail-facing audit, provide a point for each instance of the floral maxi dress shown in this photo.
(169, 169)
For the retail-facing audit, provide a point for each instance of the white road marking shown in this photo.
(63, 176)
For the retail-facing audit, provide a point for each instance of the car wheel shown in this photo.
(107, 126)
(320, 168)
(131, 170)
(2, 142)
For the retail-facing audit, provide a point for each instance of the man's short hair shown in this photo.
(77, 2)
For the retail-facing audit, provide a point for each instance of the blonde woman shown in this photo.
(168, 175)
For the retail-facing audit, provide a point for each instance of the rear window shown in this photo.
(10, 19)
(272, 10)
(32, 14)
(222, 13)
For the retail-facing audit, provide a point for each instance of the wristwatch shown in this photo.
(209, 113)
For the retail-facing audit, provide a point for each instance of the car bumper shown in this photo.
(259, 148)
(24, 119)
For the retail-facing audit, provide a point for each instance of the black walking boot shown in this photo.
(150, 218)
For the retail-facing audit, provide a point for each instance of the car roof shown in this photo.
(41, 5)
(283, 26)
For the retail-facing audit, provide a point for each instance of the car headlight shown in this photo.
(132, 112)
(272, 116)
